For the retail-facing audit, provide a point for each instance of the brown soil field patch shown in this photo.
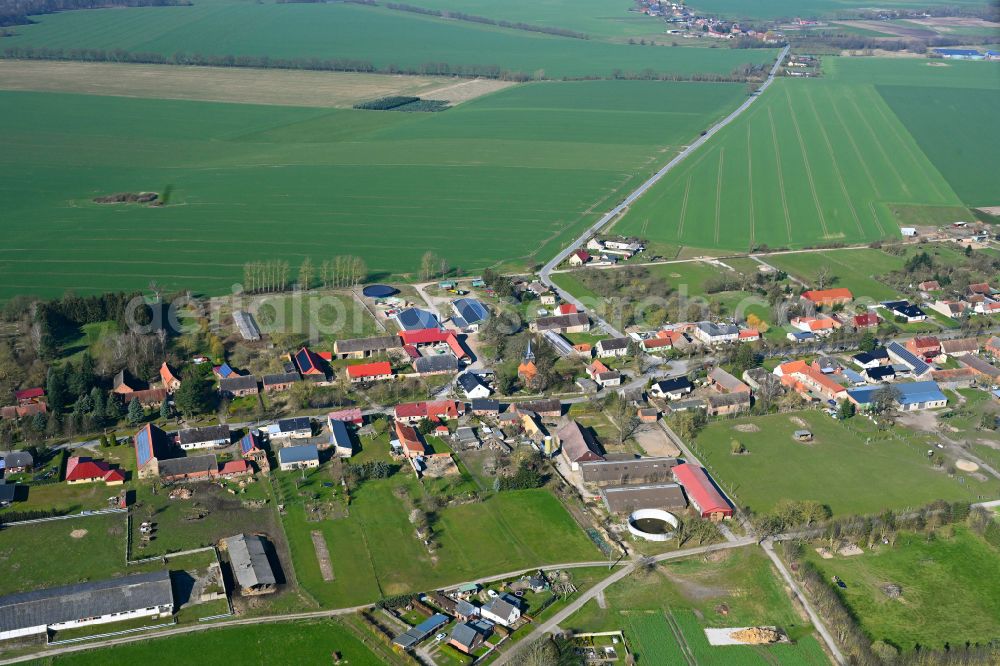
(945, 23)
(747, 427)
(890, 28)
(990, 210)
(274, 87)
(799, 421)
(322, 555)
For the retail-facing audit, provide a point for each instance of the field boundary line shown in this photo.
(835, 163)
(909, 149)
(854, 145)
(871, 205)
(678, 633)
(874, 138)
(750, 182)
(718, 193)
(805, 160)
(781, 177)
(684, 208)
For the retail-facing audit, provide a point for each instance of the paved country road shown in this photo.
(642, 189)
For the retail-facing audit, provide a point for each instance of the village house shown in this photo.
(204, 437)
(992, 346)
(252, 452)
(929, 285)
(728, 403)
(169, 378)
(310, 365)
(473, 386)
(612, 347)
(147, 398)
(872, 359)
(81, 469)
(760, 379)
(805, 379)
(671, 389)
(35, 613)
(437, 410)
(298, 427)
(749, 335)
(905, 311)
(715, 334)
(281, 381)
(438, 364)
(577, 322)
(828, 297)
(151, 444)
(578, 445)
(203, 467)
(549, 408)
(702, 492)
(125, 384)
(484, 407)
(925, 347)
(409, 440)
(657, 344)
(305, 456)
(340, 439)
(369, 372)
(723, 382)
(18, 462)
(980, 366)
(821, 326)
(238, 386)
(579, 258)
(864, 321)
(904, 357)
(504, 610)
(468, 636)
(950, 309)
(910, 396)
(250, 565)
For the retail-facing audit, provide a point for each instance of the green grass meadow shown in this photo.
(930, 571)
(775, 9)
(375, 34)
(840, 468)
(507, 177)
(291, 643)
(824, 160)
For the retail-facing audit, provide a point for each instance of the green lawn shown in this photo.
(838, 468)
(35, 556)
(375, 553)
(789, 9)
(857, 270)
(310, 642)
(376, 35)
(328, 315)
(946, 597)
(813, 161)
(685, 596)
(540, 161)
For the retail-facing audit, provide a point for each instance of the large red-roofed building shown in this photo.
(702, 493)
(369, 372)
(86, 470)
(828, 297)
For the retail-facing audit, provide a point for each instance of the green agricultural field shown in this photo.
(840, 468)
(775, 9)
(377, 35)
(930, 572)
(663, 614)
(291, 643)
(374, 551)
(255, 183)
(814, 161)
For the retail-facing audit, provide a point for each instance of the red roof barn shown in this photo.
(701, 492)
(86, 470)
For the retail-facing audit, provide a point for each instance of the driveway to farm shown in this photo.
(642, 189)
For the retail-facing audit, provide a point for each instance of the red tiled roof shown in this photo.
(411, 351)
(657, 342)
(566, 308)
(369, 370)
(29, 394)
(455, 345)
(85, 469)
(424, 336)
(700, 489)
(749, 333)
(582, 255)
(326, 356)
(827, 295)
(867, 319)
(234, 467)
(350, 415)
(411, 410)
(167, 375)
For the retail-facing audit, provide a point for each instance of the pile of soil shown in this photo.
(128, 197)
(747, 427)
(756, 636)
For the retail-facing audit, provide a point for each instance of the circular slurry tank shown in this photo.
(379, 291)
(652, 524)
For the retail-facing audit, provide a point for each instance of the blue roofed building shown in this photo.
(251, 451)
(151, 443)
(901, 355)
(960, 54)
(910, 396)
(298, 457)
(415, 319)
(469, 311)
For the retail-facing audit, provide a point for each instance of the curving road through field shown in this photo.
(642, 189)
